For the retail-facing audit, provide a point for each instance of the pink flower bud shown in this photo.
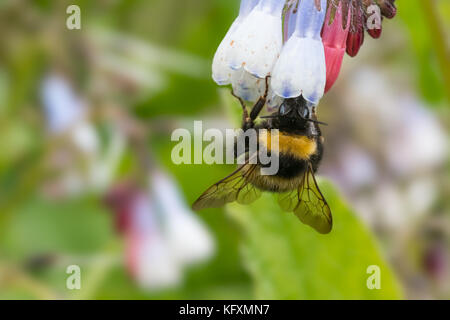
(354, 43)
(374, 33)
(388, 8)
(355, 37)
(334, 38)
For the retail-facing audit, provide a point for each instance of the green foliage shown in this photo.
(75, 226)
(284, 258)
(424, 42)
(289, 260)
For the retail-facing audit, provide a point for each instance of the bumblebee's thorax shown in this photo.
(294, 151)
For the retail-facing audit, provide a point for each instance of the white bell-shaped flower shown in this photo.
(257, 42)
(246, 86)
(148, 254)
(221, 71)
(301, 68)
(188, 238)
(251, 88)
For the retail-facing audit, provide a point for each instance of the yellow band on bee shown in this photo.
(298, 146)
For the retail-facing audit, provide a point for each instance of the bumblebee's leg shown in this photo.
(245, 118)
(260, 103)
(246, 121)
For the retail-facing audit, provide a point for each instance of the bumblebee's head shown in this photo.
(294, 108)
(295, 113)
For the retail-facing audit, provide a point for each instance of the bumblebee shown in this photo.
(300, 149)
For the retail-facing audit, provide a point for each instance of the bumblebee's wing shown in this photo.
(235, 187)
(308, 203)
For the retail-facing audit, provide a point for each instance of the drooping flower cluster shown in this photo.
(67, 116)
(162, 236)
(299, 43)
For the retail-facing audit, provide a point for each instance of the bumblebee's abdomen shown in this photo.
(288, 177)
(274, 183)
(290, 166)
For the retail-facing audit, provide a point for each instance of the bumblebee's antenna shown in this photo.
(316, 121)
(269, 117)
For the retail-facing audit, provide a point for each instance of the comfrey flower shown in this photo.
(258, 40)
(63, 108)
(148, 255)
(355, 37)
(161, 234)
(221, 71)
(301, 67)
(388, 8)
(366, 15)
(302, 54)
(188, 237)
(334, 38)
(372, 18)
(66, 115)
(251, 47)
(66, 111)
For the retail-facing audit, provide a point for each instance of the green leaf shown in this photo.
(289, 260)
(75, 226)
(429, 73)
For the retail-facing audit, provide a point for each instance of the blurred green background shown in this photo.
(142, 69)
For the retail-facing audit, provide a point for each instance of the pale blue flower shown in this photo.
(62, 106)
(301, 69)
